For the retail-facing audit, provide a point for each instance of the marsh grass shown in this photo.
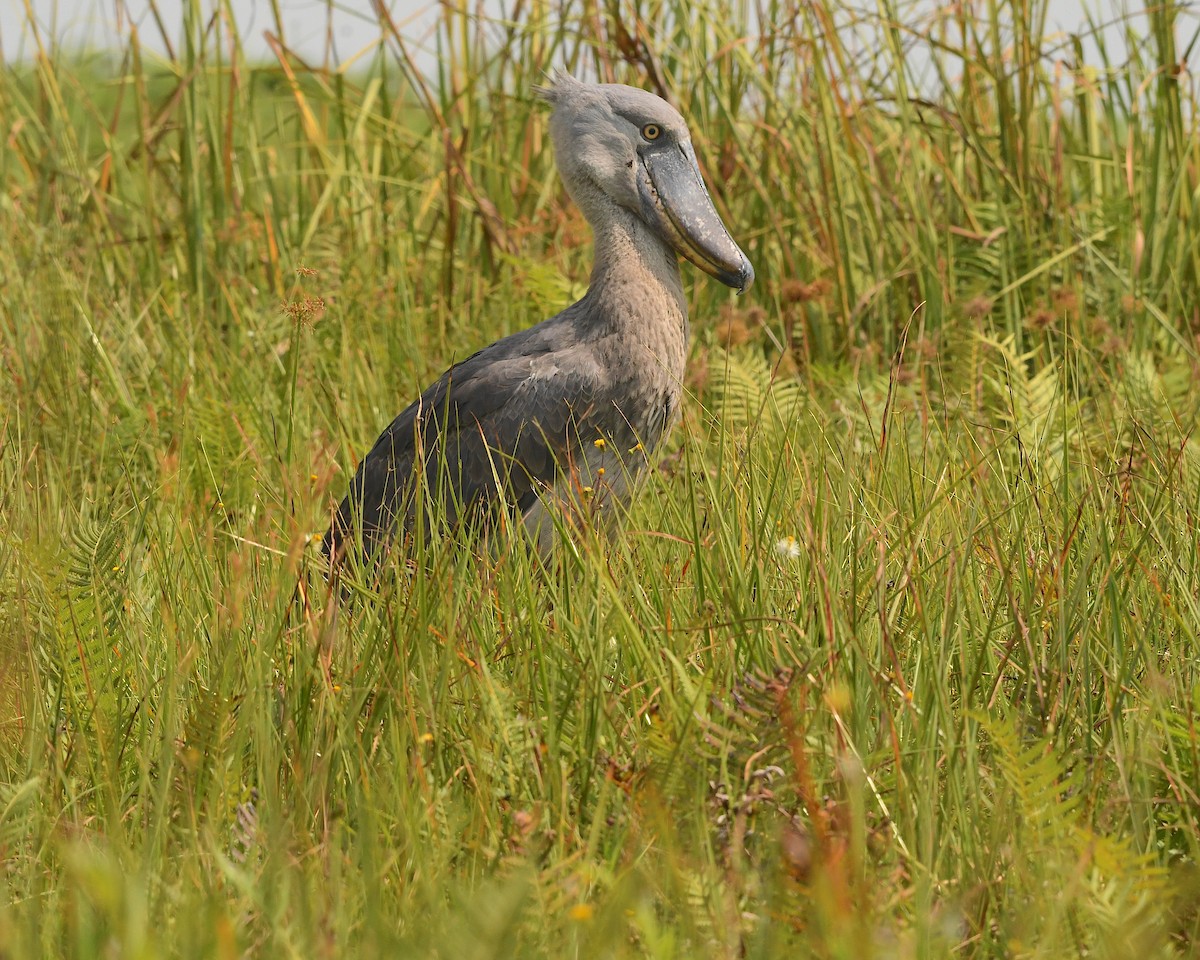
(898, 653)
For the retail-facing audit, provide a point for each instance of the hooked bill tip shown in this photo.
(745, 277)
(741, 279)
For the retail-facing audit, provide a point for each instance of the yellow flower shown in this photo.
(582, 912)
(598, 443)
(837, 698)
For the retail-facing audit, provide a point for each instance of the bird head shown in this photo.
(616, 144)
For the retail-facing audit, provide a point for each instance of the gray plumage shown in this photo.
(575, 405)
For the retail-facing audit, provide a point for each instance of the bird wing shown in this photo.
(500, 425)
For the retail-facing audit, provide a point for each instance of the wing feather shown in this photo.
(495, 428)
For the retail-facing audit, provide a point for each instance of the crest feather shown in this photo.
(559, 83)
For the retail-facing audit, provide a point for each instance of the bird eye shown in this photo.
(652, 131)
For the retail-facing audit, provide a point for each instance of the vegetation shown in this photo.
(897, 655)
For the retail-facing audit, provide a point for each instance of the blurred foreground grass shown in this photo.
(899, 656)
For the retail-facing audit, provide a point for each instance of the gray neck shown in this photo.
(636, 274)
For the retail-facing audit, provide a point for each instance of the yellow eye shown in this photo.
(652, 131)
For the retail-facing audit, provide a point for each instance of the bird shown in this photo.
(573, 408)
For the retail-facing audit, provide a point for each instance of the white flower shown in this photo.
(788, 547)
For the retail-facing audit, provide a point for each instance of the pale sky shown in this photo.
(104, 24)
(100, 24)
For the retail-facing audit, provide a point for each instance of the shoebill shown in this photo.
(572, 408)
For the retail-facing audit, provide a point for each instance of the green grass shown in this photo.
(961, 720)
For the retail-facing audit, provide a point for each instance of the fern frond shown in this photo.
(748, 393)
(82, 651)
(1032, 404)
(1118, 881)
(1046, 792)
